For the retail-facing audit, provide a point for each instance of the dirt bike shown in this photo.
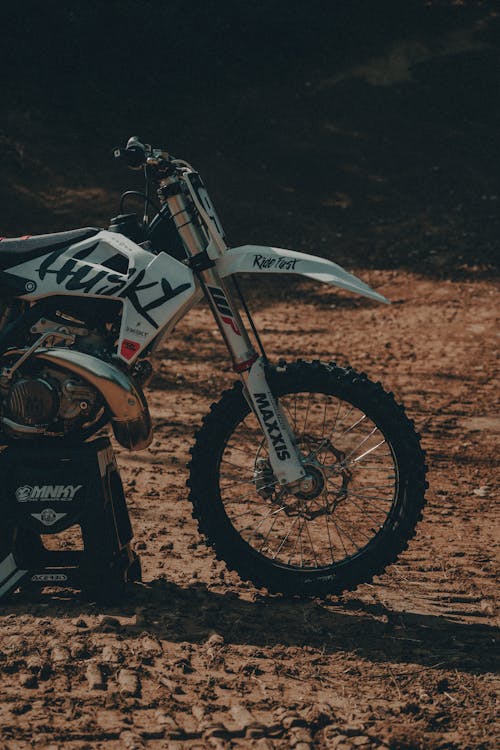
(306, 478)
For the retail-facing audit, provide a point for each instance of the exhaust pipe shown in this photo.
(125, 400)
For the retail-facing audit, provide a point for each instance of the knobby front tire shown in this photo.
(368, 489)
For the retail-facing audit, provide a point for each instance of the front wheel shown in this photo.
(366, 495)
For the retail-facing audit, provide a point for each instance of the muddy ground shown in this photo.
(195, 658)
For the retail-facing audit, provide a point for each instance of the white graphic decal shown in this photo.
(48, 516)
(47, 492)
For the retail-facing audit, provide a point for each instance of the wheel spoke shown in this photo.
(231, 463)
(263, 518)
(365, 512)
(246, 481)
(358, 530)
(287, 409)
(285, 538)
(268, 533)
(371, 498)
(365, 439)
(340, 537)
(366, 500)
(326, 514)
(324, 417)
(353, 426)
(299, 534)
(336, 419)
(312, 545)
(307, 412)
(349, 492)
(367, 453)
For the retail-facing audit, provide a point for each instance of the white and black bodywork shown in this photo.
(82, 313)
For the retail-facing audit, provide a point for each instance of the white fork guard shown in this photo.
(261, 259)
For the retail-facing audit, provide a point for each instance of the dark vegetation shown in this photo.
(368, 132)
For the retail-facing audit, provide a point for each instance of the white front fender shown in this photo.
(259, 259)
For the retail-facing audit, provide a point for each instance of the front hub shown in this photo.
(313, 483)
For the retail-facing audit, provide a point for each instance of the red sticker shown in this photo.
(129, 348)
(231, 323)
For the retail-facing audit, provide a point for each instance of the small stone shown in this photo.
(131, 741)
(80, 623)
(149, 647)
(107, 624)
(171, 685)
(95, 677)
(301, 738)
(483, 491)
(34, 663)
(215, 640)
(80, 650)
(487, 607)
(128, 682)
(333, 738)
(60, 654)
(320, 714)
(171, 729)
(184, 666)
(361, 740)
(111, 655)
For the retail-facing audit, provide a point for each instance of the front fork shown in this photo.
(284, 454)
(203, 246)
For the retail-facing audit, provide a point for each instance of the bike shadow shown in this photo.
(371, 631)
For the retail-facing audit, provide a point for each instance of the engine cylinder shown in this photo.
(32, 401)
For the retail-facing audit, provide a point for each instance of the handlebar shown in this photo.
(137, 154)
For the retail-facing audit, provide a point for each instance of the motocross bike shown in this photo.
(306, 478)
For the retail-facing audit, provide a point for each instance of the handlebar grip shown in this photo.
(134, 154)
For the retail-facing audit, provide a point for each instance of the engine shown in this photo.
(50, 401)
(61, 382)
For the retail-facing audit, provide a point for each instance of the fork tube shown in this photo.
(216, 291)
(181, 212)
(228, 320)
(283, 452)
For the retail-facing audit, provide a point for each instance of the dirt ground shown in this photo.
(194, 658)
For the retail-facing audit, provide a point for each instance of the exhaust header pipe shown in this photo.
(125, 400)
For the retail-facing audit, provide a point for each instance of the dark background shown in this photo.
(364, 131)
